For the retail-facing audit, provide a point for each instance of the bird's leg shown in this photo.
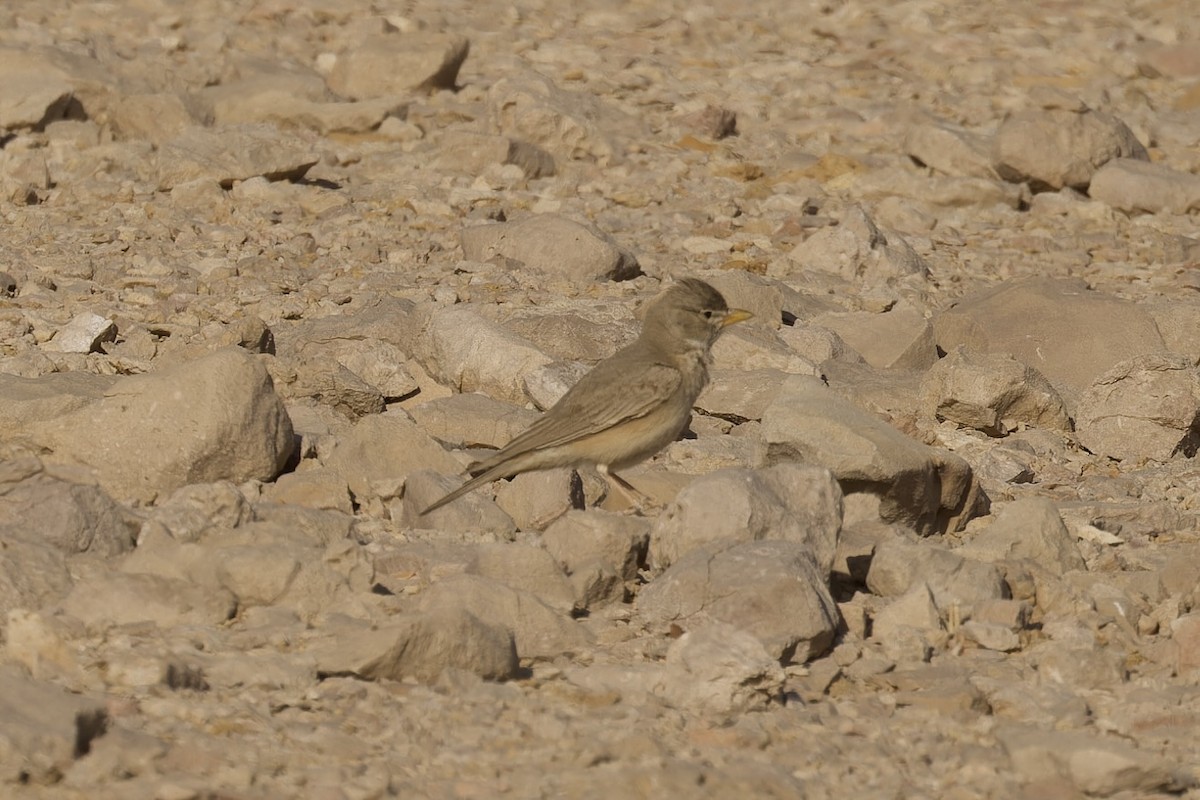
(641, 502)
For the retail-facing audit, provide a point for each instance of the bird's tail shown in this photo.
(488, 475)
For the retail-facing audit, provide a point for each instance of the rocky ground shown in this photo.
(275, 271)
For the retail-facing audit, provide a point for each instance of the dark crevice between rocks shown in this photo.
(89, 726)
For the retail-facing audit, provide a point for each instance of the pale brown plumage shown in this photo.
(630, 405)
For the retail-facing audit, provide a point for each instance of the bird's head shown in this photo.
(690, 314)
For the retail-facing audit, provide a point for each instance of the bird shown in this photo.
(630, 405)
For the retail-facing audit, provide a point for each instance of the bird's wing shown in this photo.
(602, 398)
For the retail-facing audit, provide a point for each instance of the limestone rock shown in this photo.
(712, 121)
(899, 479)
(386, 449)
(24, 175)
(85, 333)
(1094, 765)
(571, 125)
(540, 632)
(33, 572)
(31, 101)
(1061, 328)
(720, 669)
(901, 196)
(217, 418)
(1146, 407)
(818, 344)
(319, 487)
(44, 729)
(597, 584)
(580, 538)
(949, 149)
(545, 385)
(421, 646)
(155, 117)
(474, 354)
(475, 511)
(772, 589)
(527, 568)
(536, 499)
(274, 100)
(1185, 632)
(73, 517)
(900, 338)
(1058, 147)
(382, 366)
(858, 251)
(257, 575)
(1178, 60)
(1139, 186)
(757, 347)
(31, 400)
(915, 609)
(702, 456)
(43, 83)
(1029, 528)
(293, 559)
(788, 502)
(45, 644)
(335, 385)
(352, 362)
(371, 329)
(1179, 323)
(1078, 660)
(990, 392)
(554, 245)
(898, 565)
(397, 64)
(232, 153)
(472, 420)
(571, 337)
(990, 636)
(192, 511)
(908, 626)
(472, 152)
(103, 601)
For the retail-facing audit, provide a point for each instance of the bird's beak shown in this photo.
(735, 316)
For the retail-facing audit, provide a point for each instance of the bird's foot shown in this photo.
(641, 504)
(647, 509)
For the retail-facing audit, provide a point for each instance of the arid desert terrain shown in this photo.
(275, 272)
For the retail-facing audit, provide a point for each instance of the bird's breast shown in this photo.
(693, 370)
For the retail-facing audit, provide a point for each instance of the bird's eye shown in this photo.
(707, 313)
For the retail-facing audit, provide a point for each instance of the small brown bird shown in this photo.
(630, 405)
